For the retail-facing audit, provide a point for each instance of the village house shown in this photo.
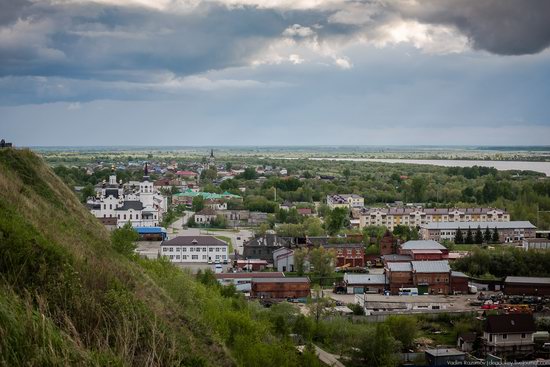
(195, 249)
(514, 231)
(509, 336)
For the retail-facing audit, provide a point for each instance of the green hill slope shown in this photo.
(67, 298)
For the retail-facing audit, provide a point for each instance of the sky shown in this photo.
(274, 72)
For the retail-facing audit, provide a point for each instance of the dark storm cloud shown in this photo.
(504, 27)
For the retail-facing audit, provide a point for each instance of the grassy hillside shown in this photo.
(67, 298)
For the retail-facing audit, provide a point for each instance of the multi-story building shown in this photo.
(350, 254)
(514, 231)
(429, 277)
(416, 217)
(509, 336)
(141, 205)
(195, 249)
(262, 247)
(348, 201)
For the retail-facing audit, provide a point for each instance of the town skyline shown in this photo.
(251, 72)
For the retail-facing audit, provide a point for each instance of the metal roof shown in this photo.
(150, 230)
(441, 266)
(444, 352)
(473, 225)
(458, 274)
(364, 278)
(249, 275)
(395, 257)
(281, 280)
(400, 266)
(194, 241)
(528, 280)
(422, 245)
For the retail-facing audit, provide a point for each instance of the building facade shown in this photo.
(140, 204)
(347, 201)
(514, 231)
(195, 249)
(417, 217)
(509, 336)
(280, 288)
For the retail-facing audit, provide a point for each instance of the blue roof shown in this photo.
(150, 230)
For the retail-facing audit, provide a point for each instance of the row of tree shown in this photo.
(477, 237)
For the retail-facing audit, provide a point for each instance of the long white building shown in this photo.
(417, 217)
(195, 249)
(142, 206)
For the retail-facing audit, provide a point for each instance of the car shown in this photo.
(225, 261)
(218, 269)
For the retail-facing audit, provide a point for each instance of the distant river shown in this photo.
(543, 167)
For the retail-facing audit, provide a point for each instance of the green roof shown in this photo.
(207, 195)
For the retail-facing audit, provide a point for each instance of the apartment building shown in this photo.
(416, 217)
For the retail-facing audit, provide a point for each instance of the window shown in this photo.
(110, 206)
(130, 216)
(211, 249)
(164, 249)
(490, 337)
(171, 249)
(204, 249)
(217, 257)
(178, 257)
(184, 257)
(171, 257)
(204, 257)
(178, 249)
(523, 335)
(194, 257)
(184, 249)
(217, 249)
(504, 336)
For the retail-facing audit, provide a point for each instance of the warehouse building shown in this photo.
(528, 286)
(280, 287)
(515, 231)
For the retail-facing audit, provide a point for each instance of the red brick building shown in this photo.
(432, 255)
(389, 244)
(459, 282)
(529, 286)
(352, 254)
(280, 288)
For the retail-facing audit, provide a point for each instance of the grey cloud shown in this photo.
(504, 27)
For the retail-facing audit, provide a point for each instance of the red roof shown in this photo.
(304, 211)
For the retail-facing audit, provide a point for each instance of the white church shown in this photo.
(141, 204)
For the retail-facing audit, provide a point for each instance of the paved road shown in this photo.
(328, 358)
(237, 237)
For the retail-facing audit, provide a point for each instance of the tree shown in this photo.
(317, 305)
(248, 174)
(198, 203)
(322, 261)
(299, 260)
(458, 236)
(377, 348)
(228, 166)
(478, 236)
(313, 227)
(418, 188)
(336, 220)
(496, 237)
(346, 173)
(403, 328)
(487, 235)
(469, 237)
(123, 239)
(191, 222)
(87, 191)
